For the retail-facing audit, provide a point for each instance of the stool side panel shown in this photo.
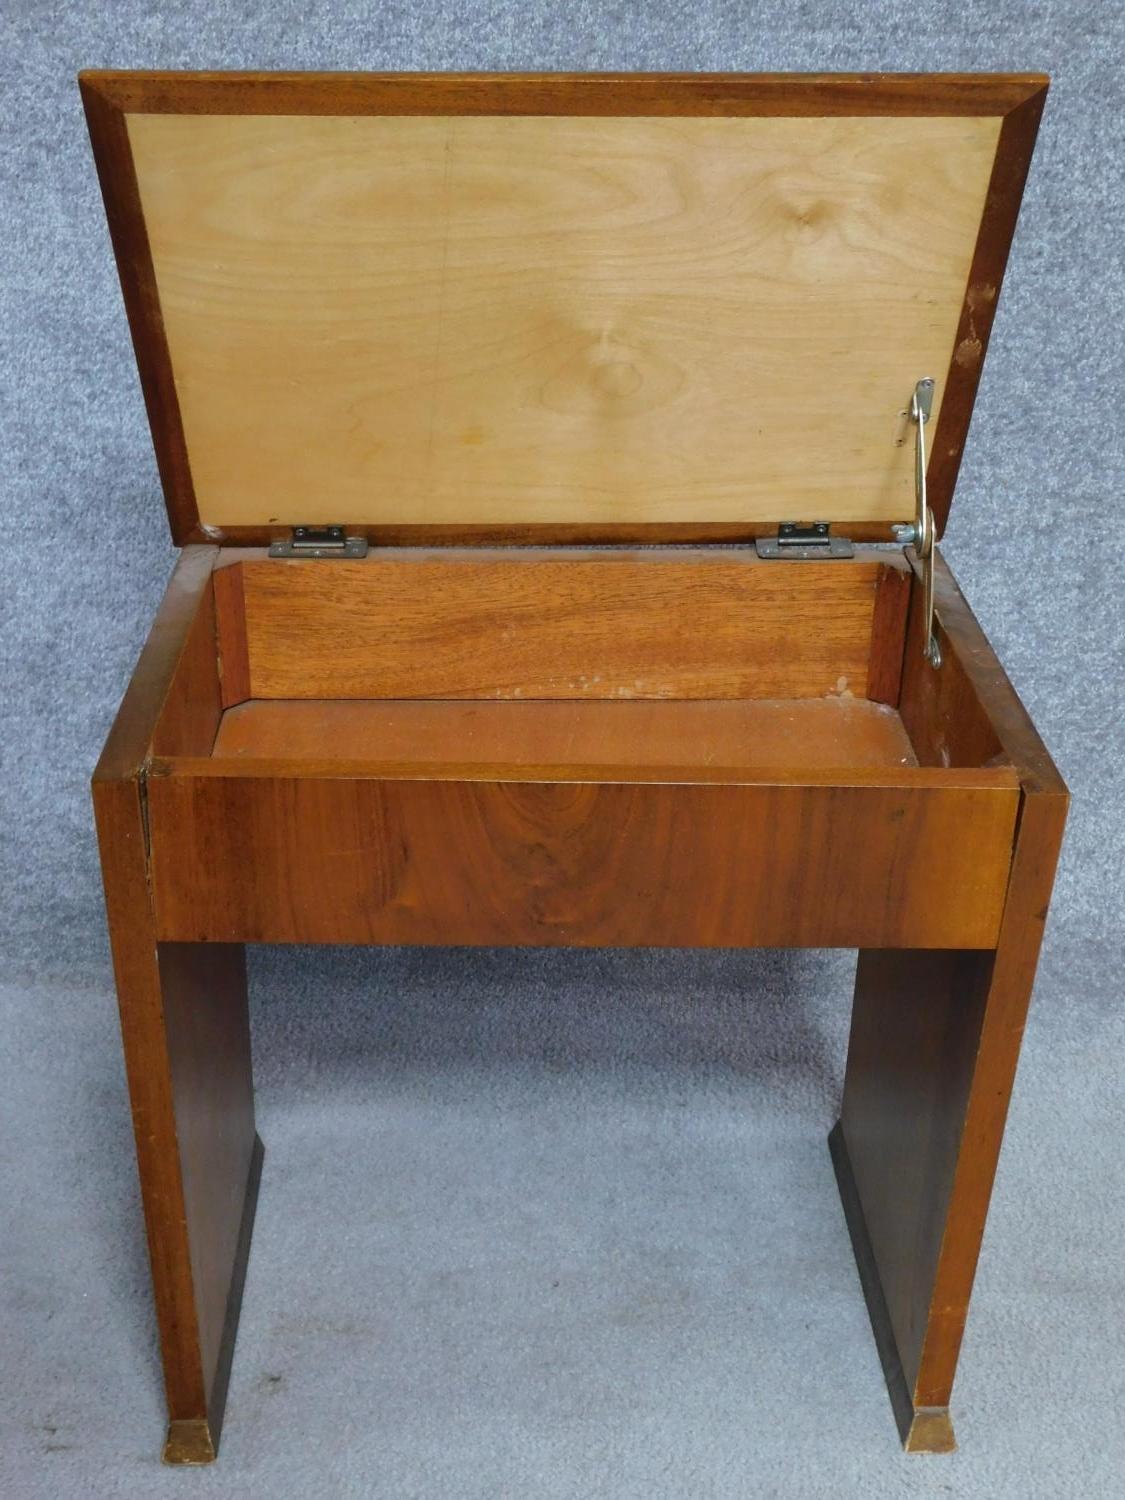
(915, 1030)
(1011, 981)
(932, 1057)
(184, 1025)
(151, 686)
(193, 706)
(185, 1034)
(207, 1032)
(969, 711)
(118, 810)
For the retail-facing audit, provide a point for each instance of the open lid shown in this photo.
(542, 307)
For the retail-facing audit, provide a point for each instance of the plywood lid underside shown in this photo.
(537, 320)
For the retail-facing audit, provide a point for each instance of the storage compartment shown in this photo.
(661, 746)
(560, 659)
(738, 735)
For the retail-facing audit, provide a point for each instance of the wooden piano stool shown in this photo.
(558, 463)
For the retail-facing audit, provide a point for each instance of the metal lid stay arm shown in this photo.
(920, 535)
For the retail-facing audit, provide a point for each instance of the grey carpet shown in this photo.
(550, 1224)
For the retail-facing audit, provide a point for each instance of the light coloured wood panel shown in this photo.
(275, 858)
(798, 732)
(480, 320)
(468, 623)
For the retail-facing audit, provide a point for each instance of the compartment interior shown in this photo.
(809, 732)
(557, 658)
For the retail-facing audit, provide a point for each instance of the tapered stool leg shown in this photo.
(187, 1055)
(935, 1039)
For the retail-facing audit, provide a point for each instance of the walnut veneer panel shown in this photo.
(803, 732)
(556, 319)
(284, 858)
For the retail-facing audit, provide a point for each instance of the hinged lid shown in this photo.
(537, 307)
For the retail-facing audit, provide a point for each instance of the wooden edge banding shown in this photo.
(998, 698)
(594, 94)
(193, 706)
(120, 817)
(888, 633)
(921, 1430)
(1039, 835)
(128, 743)
(904, 778)
(573, 543)
(113, 158)
(544, 533)
(986, 273)
(230, 632)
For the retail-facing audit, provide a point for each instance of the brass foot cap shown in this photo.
(189, 1442)
(930, 1431)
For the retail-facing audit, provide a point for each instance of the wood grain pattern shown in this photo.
(926, 1431)
(233, 656)
(888, 634)
(935, 1041)
(556, 319)
(986, 276)
(186, 1042)
(1042, 819)
(968, 714)
(193, 704)
(129, 741)
(120, 819)
(962, 637)
(934, 1044)
(557, 624)
(272, 858)
(252, 539)
(824, 732)
(111, 96)
(606, 94)
(948, 723)
(117, 179)
(905, 778)
(915, 1031)
(207, 1041)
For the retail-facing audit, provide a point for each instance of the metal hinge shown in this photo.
(802, 541)
(320, 541)
(799, 540)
